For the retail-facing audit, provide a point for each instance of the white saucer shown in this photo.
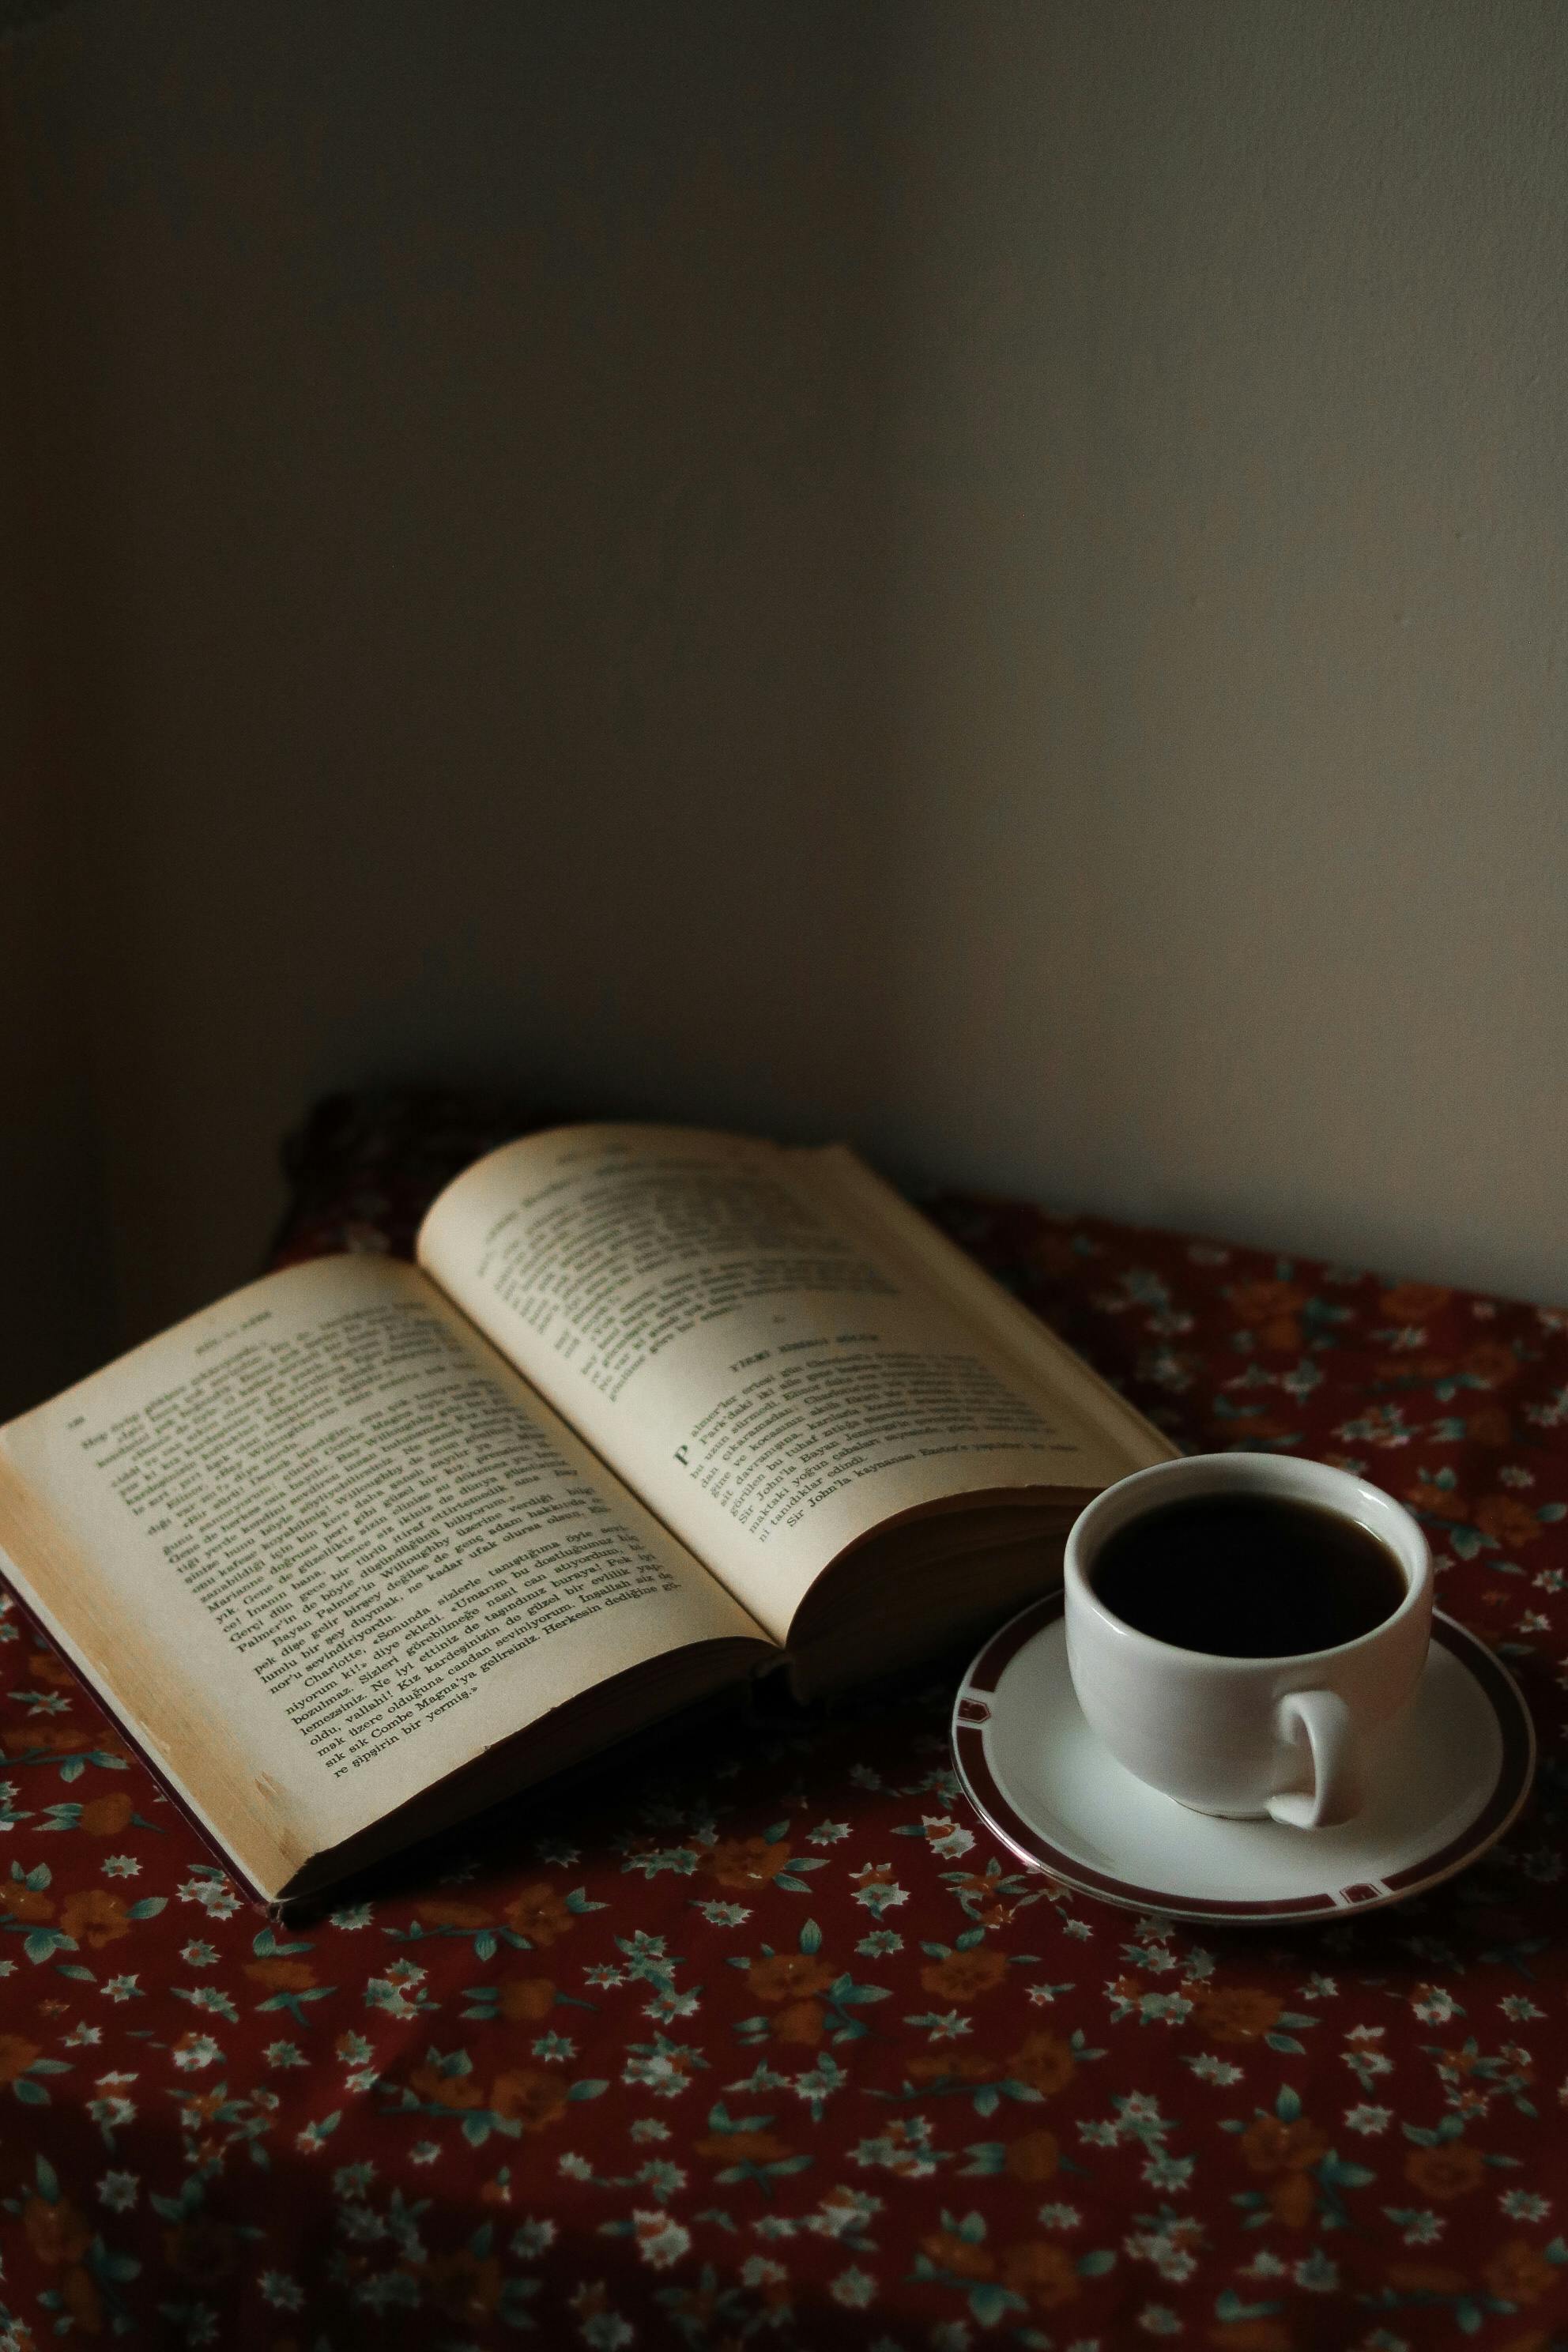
(1045, 1785)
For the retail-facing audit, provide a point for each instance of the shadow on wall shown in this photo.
(981, 580)
(465, 496)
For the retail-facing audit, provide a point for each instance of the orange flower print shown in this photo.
(1489, 1426)
(1413, 1302)
(743, 2148)
(1271, 2145)
(1520, 2273)
(439, 1911)
(977, 1892)
(1492, 1363)
(1034, 2156)
(743, 1863)
(28, 1901)
(1291, 2199)
(964, 1976)
(57, 2233)
(1426, 2278)
(1452, 2170)
(1509, 1521)
(95, 1916)
(528, 2097)
(802, 2020)
(783, 1975)
(1044, 2274)
(44, 1667)
(454, 2091)
(1407, 1367)
(16, 2056)
(19, 1738)
(963, 2066)
(106, 1816)
(82, 2301)
(464, 2286)
(61, 1737)
(957, 2256)
(1236, 2013)
(1252, 2336)
(526, 2000)
(1438, 1502)
(1044, 2062)
(280, 1976)
(540, 1913)
(1271, 1309)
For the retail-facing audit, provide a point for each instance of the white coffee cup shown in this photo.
(1296, 1737)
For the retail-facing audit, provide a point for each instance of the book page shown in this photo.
(758, 1349)
(321, 1547)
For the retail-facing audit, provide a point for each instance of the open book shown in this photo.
(367, 1545)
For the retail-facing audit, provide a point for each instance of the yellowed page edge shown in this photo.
(1049, 1361)
(253, 1788)
(193, 1744)
(472, 1219)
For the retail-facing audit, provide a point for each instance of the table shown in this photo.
(769, 2042)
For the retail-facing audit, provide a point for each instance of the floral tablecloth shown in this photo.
(771, 2043)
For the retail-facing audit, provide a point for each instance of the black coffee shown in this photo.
(1244, 1576)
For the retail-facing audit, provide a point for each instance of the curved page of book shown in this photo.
(774, 1351)
(322, 1549)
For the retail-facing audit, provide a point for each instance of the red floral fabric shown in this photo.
(769, 2042)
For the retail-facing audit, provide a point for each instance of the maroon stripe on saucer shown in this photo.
(1513, 1779)
(1005, 1643)
(1033, 1846)
(969, 1741)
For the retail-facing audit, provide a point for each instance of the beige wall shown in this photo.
(989, 578)
(1230, 378)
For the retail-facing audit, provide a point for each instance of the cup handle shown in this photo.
(1320, 1720)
